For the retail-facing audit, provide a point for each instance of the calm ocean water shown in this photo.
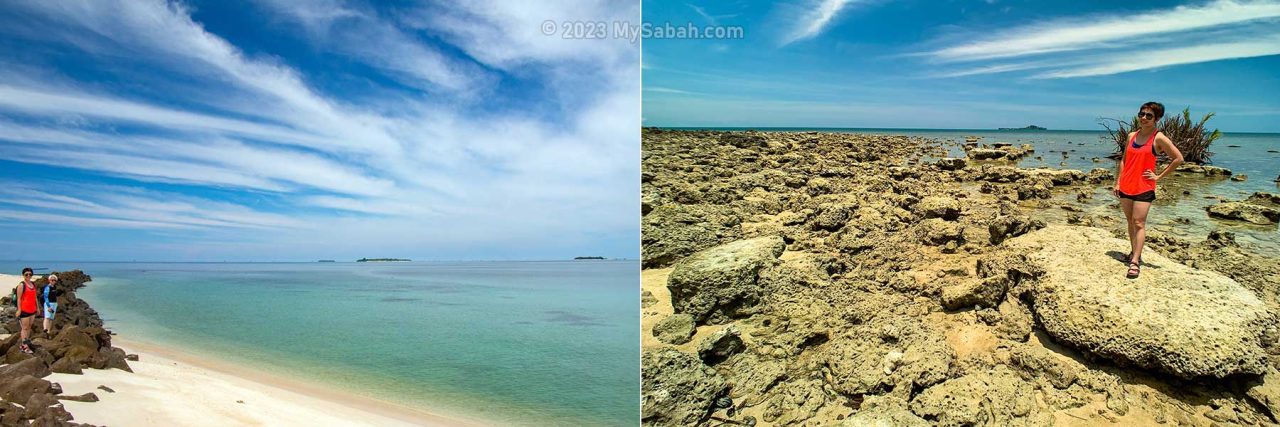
(1256, 155)
(526, 343)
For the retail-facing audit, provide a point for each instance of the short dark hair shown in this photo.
(28, 270)
(1156, 108)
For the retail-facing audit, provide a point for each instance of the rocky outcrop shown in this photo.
(1204, 170)
(999, 152)
(673, 231)
(951, 163)
(80, 342)
(1058, 176)
(1034, 187)
(884, 411)
(1008, 226)
(1266, 392)
(904, 292)
(721, 283)
(676, 388)
(1264, 198)
(743, 139)
(1186, 322)
(1245, 211)
(939, 207)
(938, 232)
(996, 398)
(720, 345)
(973, 292)
(675, 329)
(876, 357)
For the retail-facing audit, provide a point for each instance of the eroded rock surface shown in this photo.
(1187, 322)
(720, 283)
(901, 295)
(676, 388)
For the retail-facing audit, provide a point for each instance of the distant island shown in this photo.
(588, 257)
(326, 260)
(382, 260)
(1030, 127)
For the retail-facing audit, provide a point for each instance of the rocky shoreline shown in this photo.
(807, 278)
(78, 342)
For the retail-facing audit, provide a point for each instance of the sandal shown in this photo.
(1135, 268)
(26, 349)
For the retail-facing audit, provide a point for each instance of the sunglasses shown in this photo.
(1146, 115)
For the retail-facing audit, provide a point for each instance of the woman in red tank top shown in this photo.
(1136, 180)
(26, 294)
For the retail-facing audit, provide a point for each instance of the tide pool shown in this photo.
(518, 343)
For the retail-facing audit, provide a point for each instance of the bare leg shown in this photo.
(1139, 222)
(48, 323)
(24, 328)
(1126, 205)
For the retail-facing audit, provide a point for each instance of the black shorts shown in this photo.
(23, 315)
(1149, 196)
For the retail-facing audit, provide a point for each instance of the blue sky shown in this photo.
(302, 130)
(963, 64)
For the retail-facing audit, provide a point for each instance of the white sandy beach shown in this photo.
(170, 388)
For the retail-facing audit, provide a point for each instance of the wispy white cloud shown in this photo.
(343, 28)
(709, 18)
(124, 207)
(1111, 44)
(43, 217)
(506, 35)
(201, 160)
(1072, 34)
(54, 101)
(660, 89)
(413, 166)
(819, 15)
(1134, 61)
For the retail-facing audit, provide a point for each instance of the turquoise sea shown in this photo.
(1256, 155)
(524, 343)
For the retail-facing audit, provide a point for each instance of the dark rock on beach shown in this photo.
(79, 342)
(87, 397)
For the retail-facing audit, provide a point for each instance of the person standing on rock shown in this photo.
(49, 298)
(26, 296)
(1136, 182)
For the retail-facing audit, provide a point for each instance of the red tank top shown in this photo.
(27, 299)
(1138, 159)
